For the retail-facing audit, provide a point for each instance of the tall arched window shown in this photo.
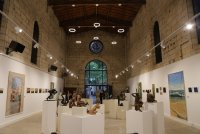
(96, 78)
(196, 8)
(36, 38)
(158, 52)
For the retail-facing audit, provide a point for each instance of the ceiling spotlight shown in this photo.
(120, 4)
(114, 42)
(123, 71)
(148, 54)
(132, 66)
(78, 42)
(189, 26)
(73, 5)
(162, 44)
(79, 26)
(139, 61)
(55, 62)
(97, 25)
(97, 5)
(49, 56)
(121, 30)
(113, 26)
(126, 69)
(67, 70)
(72, 74)
(116, 76)
(96, 38)
(72, 30)
(36, 45)
(18, 29)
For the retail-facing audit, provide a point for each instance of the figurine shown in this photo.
(138, 102)
(80, 103)
(72, 102)
(150, 97)
(52, 92)
(93, 110)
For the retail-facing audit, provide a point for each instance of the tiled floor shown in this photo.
(32, 125)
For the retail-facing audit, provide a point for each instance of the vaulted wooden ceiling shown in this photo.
(82, 14)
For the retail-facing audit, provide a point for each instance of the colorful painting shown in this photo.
(177, 95)
(15, 93)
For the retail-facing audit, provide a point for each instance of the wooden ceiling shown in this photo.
(82, 14)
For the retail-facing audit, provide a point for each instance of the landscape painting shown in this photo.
(177, 95)
(15, 93)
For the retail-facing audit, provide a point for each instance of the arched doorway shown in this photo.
(96, 79)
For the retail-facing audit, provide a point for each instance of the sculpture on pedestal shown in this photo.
(52, 92)
(138, 101)
(93, 110)
(150, 97)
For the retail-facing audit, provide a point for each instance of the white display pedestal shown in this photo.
(89, 124)
(111, 107)
(101, 110)
(89, 101)
(49, 117)
(139, 122)
(121, 112)
(79, 111)
(158, 117)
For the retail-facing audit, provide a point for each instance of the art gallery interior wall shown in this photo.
(159, 77)
(34, 78)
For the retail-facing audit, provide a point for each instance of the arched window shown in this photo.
(1, 8)
(36, 38)
(196, 8)
(158, 52)
(96, 78)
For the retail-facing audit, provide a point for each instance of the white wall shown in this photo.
(34, 78)
(191, 69)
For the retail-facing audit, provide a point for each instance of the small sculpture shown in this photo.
(52, 92)
(80, 103)
(64, 100)
(72, 102)
(150, 97)
(138, 102)
(93, 110)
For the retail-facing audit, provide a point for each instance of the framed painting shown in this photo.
(1, 90)
(28, 90)
(51, 85)
(177, 95)
(15, 93)
(36, 90)
(190, 90)
(196, 89)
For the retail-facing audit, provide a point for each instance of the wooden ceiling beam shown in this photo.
(101, 2)
(115, 21)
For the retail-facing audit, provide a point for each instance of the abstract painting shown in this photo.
(15, 93)
(177, 95)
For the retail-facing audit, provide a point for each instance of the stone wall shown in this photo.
(78, 55)
(51, 36)
(171, 15)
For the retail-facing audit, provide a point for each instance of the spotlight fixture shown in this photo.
(132, 66)
(72, 30)
(72, 74)
(97, 5)
(126, 69)
(162, 45)
(139, 61)
(55, 62)
(67, 70)
(73, 5)
(96, 38)
(116, 76)
(78, 42)
(189, 26)
(113, 26)
(49, 56)
(123, 71)
(148, 54)
(120, 4)
(18, 29)
(114, 42)
(15, 46)
(96, 25)
(36, 45)
(120, 30)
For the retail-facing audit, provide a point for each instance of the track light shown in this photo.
(36, 45)
(72, 30)
(49, 56)
(189, 26)
(18, 29)
(72, 74)
(97, 25)
(116, 76)
(126, 69)
(121, 30)
(132, 66)
(78, 42)
(148, 54)
(114, 42)
(162, 44)
(139, 61)
(96, 38)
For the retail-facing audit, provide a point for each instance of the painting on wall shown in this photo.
(40, 90)
(139, 89)
(28, 90)
(153, 89)
(15, 93)
(51, 85)
(177, 95)
(196, 89)
(36, 90)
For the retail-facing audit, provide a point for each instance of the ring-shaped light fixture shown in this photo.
(121, 30)
(97, 25)
(72, 30)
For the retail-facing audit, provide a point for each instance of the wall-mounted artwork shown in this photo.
(161, 91)
(46, 90)
(1, 91)
(157, 90)
(154, 89)
(36, 90)
(32, 90)
(196, 89)
(164, 90)
(43, 90)
(28, 90)
(140, 89)
(190, 90)
(177, 95)
(40, 90)
(51, 85)
(15, 93)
